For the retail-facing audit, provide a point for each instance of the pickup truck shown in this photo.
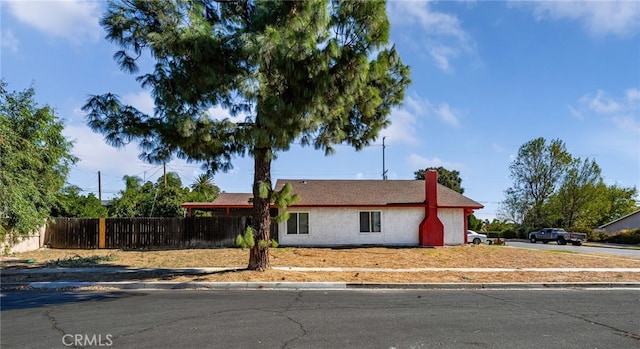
(559, 235)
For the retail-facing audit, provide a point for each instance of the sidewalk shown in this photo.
(64, 283)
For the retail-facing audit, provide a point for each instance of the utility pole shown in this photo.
(164, 165)
(99, 188)
(384, 169)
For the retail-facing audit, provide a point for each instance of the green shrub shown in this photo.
(631, 237)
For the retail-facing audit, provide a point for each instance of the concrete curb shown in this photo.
(311, 285)
(112, 270)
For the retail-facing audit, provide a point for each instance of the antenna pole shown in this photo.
(384, 169)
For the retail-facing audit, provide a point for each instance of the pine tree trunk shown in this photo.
(259, 256)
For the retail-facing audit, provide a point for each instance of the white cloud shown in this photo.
(417, 161)
(633, 95)
(445, 39)
(141, 101)
(446, 114)
(599, 18)
(96, 155)
(113, 163)
(402, 129)
(405, 121)
(628, 123)
(623, 112)
(74, 20)
(220, 113)
(10, 41)
(601, 103)
(575, 112)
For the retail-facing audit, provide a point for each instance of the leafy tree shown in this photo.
(474, 223)
(203, 189)
(317, 71)
(576, 200)
(125, 204)
(35, 159)
(150, 199)
(450, 179)
(536, 173)
(501, 225)
(73, 204)
(167, 198)
(620, 201)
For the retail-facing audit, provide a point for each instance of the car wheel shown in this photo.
(562, 241)
(576, 243)
(476, 241)
(533, 239)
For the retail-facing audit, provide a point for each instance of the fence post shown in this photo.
(102, 231)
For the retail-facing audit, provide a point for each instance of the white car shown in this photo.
(475, 238)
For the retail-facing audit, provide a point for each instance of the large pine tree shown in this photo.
(316, 71)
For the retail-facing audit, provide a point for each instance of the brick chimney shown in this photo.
(431, 228)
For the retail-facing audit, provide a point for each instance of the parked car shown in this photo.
(475, 238)
(559, 235)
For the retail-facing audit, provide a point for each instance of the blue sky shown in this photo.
(488, 76)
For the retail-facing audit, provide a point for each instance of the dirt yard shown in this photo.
(482, 256)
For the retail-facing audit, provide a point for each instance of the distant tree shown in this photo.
(501, 225)
(150, 199)
(125, 204)
(450, 179)
(474, 223)
(35, 159)
(576, 200)
(316, 71)
(203, 189)
(536, 173)
(73, 204)
(166, 198)
(620, 201)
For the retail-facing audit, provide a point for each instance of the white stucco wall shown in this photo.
(453, 221)
(341, 226)
(29, 243)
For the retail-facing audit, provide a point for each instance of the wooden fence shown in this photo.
(144, 233)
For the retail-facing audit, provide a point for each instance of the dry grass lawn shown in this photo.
(482, 256)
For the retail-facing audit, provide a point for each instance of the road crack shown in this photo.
(54, 325)
(302, 329)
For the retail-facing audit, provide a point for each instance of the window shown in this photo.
(370, 222)
(298, 223)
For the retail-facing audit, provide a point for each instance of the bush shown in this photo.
(596, 236)
(631, 237)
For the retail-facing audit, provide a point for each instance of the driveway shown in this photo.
(623, 252)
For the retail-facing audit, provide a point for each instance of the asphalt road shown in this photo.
(569, 318)
(634, 253)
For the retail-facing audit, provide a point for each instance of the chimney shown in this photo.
(431, 188)
(431, 230)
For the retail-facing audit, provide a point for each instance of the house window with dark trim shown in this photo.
(298, 223)
(370, 222)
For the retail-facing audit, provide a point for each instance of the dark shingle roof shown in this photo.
(233, 199)
(315, 192)
(370, 193)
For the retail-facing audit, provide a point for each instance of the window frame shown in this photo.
(371, 222)
(297, 218)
